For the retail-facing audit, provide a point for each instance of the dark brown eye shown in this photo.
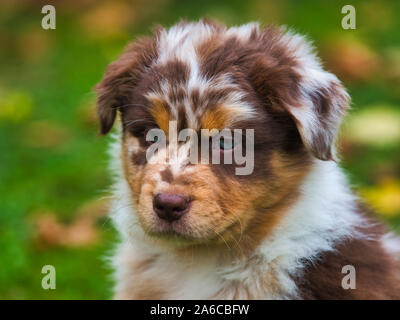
(226, 144)
(153, 135)
(154, 140)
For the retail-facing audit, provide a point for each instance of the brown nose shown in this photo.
(170, 207)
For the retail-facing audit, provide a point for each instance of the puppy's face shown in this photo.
(210, 79)
(176, 195)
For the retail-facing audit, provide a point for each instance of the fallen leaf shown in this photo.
(385, 197)
(15, 106)
(351, 59)
(50, 232)
(82, 231)
(377, 126)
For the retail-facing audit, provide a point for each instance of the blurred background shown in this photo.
(53, 175)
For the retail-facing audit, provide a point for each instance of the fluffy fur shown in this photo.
(283, 232)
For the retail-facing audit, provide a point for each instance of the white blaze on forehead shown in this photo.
(180, 42)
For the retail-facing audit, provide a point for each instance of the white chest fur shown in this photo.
(324, 215)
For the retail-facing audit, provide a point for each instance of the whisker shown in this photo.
(238, 219)
(129, 105)
(220, 235)
(233, 221)
(130, 122)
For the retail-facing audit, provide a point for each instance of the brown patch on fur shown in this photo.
(139, 158)
(175, 72)
(131, 166)
(182, 120)
(166, 175)
(377, 276)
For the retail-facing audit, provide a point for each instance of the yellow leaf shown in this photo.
(376, 126)
(385, 197)
(15, 106)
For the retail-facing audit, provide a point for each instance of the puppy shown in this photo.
(288, 229)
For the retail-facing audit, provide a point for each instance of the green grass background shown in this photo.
(53, 161)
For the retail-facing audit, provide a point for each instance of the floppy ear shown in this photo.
(120, 79)
(292, 80)
(319, 113)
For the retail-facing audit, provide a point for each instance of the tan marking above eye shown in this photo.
(215, 118)
(160, 113)
(224, 116)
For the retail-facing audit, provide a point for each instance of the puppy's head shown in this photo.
(205, 76)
